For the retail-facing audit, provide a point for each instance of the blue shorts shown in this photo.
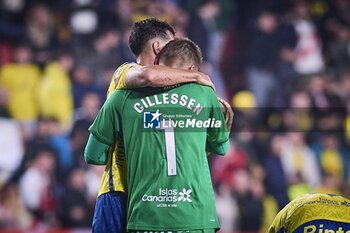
(110, 213)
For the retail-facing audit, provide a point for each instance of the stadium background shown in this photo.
(284, 66)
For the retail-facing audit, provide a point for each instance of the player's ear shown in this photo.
(192, 67)
(156, 47)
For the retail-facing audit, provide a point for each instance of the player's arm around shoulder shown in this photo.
(161, 76)
(104, 131)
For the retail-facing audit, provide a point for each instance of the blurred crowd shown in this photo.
(284, 65)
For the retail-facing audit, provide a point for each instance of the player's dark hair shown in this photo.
(182, 51)
(145, 30)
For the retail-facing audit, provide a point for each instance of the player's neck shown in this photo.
(145, 59)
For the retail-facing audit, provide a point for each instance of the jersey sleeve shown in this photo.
(95, 151)
(107, 126)
(119, 77)
(217, 137)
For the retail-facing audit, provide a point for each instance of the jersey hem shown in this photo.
(120, 191)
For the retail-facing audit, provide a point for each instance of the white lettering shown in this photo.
(144, 103)
(181, 124)
(157, 100)
(174, 98)
(190, 122)
(149, 101)
(138, 108)
(167, 124)
(206, 124)
(165, 98)
(183, 100)
(217, 124)
(199, 124)
(198, 109)
(144, 197)
(190, 104)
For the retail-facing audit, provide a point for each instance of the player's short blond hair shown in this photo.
(180, 51)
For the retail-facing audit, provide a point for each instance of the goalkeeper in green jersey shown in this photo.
(166, 133)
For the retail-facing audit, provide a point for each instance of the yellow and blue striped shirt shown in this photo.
(114, 176)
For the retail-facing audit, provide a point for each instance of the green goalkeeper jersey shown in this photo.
(166, 132)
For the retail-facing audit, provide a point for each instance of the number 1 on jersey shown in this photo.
(170, 149)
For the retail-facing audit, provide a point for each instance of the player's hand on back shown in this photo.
(228, 113)
(204, 79)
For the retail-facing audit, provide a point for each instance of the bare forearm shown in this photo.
(160, 76)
